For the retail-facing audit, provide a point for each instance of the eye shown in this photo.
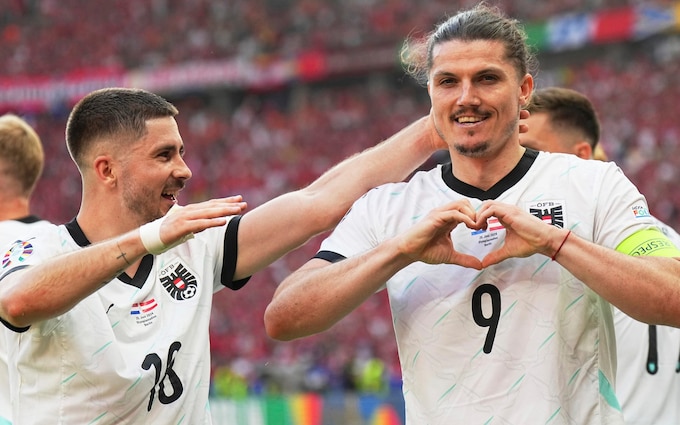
(166, 154)
(488, 78)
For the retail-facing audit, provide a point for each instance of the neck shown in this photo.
(485, 171)
(13, 208)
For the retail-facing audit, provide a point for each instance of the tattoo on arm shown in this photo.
(122, 255)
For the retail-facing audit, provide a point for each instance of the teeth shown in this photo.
(468, 119)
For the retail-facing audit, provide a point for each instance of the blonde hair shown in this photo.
(21, 156)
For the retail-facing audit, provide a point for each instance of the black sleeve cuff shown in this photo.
(329, 256)
(231, 255)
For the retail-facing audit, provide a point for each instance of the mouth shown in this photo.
(172, 191)
(469, 119)
(169, 196)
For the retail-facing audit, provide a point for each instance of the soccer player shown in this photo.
(647, 378)
(109, 314)
(501, 265)
(21, 164)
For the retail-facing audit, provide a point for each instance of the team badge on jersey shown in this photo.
(551, 212)
(180, 283)
(17, 253)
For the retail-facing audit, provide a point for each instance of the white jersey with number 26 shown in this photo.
(136, 351)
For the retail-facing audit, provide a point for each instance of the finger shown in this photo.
(494, 257)
(485, 211)
(217, 201)
(455, 217)
(197, 226)
(523, 114)
(468, 261)
(221, 201)
(468, 209)
(464, 207)
(211, 211)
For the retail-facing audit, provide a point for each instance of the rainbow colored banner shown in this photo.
(306, 409)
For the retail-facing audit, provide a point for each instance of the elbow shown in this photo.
(276, 326)
(13, 311)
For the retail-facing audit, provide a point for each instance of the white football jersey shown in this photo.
(135, 352)
(11, 231)
(522, 341)
(648, 372)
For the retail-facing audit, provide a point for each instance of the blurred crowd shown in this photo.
(134, 34)
(261, 144)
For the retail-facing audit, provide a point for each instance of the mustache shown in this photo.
(176, 185)
(468, 111)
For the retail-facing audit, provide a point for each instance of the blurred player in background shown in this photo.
(500, 265)
(21, 164)
(647, 378)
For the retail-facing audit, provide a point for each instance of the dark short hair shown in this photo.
(479, 23)
(569, 109)
(116, 112)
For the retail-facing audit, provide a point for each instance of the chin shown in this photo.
(478, 150)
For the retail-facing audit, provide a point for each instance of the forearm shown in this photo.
(54, 287)
(645, 288)
(286, 222)
(390, 161)
(320, 294)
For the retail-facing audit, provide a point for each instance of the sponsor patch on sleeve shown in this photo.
(651, 242)
(640, 211)
(18, 253)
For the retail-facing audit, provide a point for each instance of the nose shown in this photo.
(468, 94)
(182, 171)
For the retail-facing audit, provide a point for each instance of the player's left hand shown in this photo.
(525, 234)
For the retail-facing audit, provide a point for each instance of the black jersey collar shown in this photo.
(28, 219)
(143, 271)
(496, 190)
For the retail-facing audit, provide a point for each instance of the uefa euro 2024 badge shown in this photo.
(17, 253)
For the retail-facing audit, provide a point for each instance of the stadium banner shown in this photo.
(309, 409)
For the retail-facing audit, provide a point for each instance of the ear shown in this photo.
(583, 150)
(105, 170)
(526, 89)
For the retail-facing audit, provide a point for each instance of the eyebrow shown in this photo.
(488, 70)
(169, 147)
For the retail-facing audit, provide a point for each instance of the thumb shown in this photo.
(494, 257)
(468, 261)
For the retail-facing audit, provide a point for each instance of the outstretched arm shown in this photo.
(271, 230)
(319, 294)
(53, 287)
(288, 221)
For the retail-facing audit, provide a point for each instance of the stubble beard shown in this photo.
(476, 151)
(472, 152)
(136, 201)
(480, 149)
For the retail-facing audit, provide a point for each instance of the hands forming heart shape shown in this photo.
(430, 241)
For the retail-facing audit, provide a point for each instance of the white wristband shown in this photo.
(150, 233)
